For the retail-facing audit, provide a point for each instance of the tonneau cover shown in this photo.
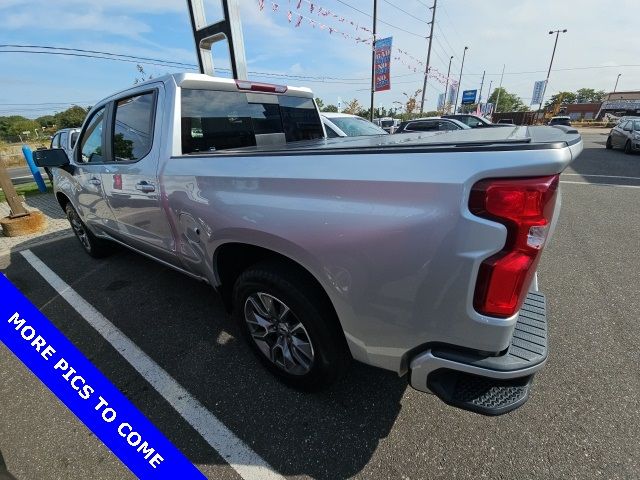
(503, 138)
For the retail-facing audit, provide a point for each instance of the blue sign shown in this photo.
(87, 392)
(469, 96)
(382, 64)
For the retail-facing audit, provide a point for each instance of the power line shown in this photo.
(404, 11)
(380, 20)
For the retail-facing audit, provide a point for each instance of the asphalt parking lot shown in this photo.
(582, 420)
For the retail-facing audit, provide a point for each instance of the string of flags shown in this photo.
(294, 13)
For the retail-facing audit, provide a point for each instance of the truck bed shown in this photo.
(495, 139)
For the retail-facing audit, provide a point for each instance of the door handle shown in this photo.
(145, 187)
(94, 181)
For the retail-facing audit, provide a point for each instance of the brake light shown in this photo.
(260, 87)
(525, 206)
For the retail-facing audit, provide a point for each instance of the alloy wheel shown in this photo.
(278, 333)
(79, 230)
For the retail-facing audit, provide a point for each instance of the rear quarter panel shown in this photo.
(389, 236)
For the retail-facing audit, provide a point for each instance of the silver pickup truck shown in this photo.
(414, 253)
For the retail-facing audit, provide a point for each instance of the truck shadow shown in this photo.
(181, 324)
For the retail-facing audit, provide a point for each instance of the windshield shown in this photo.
(387, 123)
(636, 125)
(356, 126)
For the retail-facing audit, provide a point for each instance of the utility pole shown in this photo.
(464, 53)
(616, 87)
(499, 90)
(373, 58)
(446, 87)
(426, 69)
(481, 85)
(544, 90)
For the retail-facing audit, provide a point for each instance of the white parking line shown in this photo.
(600, 176)
(600, 184)
(240, 456)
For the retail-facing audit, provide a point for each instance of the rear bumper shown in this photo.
(490, 385)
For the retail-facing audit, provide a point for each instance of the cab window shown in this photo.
(91, 143)
(133, 127)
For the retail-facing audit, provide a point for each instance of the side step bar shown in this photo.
(490, 385)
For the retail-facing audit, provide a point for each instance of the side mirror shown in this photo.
(52, 157)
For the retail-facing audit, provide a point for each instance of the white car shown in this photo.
(346, 125)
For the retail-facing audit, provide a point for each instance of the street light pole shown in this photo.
(464, 53)
(544, 90)
(446, 88)
(616, 87)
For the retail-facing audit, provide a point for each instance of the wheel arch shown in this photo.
(232, 258)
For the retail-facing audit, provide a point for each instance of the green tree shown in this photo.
(410, 105)
(46, 120)
(71, 117)
(352, 106)
(320, 103)
(23, 125)
(330, 108)
(559, 98)
(587, 95)
(508, 102)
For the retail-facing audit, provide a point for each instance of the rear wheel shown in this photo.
(290, 326)
(609, 145)
(94, 246)
(627, 147)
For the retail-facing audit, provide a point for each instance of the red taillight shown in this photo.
(260, 87)
(525, 206)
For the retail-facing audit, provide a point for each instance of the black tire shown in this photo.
(609, 145)
(91, 244)
(627, 148)
(306, 305)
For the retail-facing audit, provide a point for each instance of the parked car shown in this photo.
(65, 139)
(412, 253)
(560, 120)
(346, 125)
(388, 124)
(473, 121)
(625, 135)
(431, 124)
(506, 121)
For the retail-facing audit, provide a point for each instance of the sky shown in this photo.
(596, 48)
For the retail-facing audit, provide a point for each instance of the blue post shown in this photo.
(28, 156)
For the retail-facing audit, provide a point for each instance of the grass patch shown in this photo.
(26, 189)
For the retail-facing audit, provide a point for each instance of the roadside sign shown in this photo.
(469, 97)
(538, 88)
(382, 64)
(440, 102)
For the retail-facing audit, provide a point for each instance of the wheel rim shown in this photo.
(278, 333)
(79, 230)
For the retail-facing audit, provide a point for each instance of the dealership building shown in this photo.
(620, 104)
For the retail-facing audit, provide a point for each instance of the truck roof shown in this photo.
(506, 138)
(208, 82)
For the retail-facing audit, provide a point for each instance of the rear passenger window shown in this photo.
(422, 127)
(218, 120)
(133, 127)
